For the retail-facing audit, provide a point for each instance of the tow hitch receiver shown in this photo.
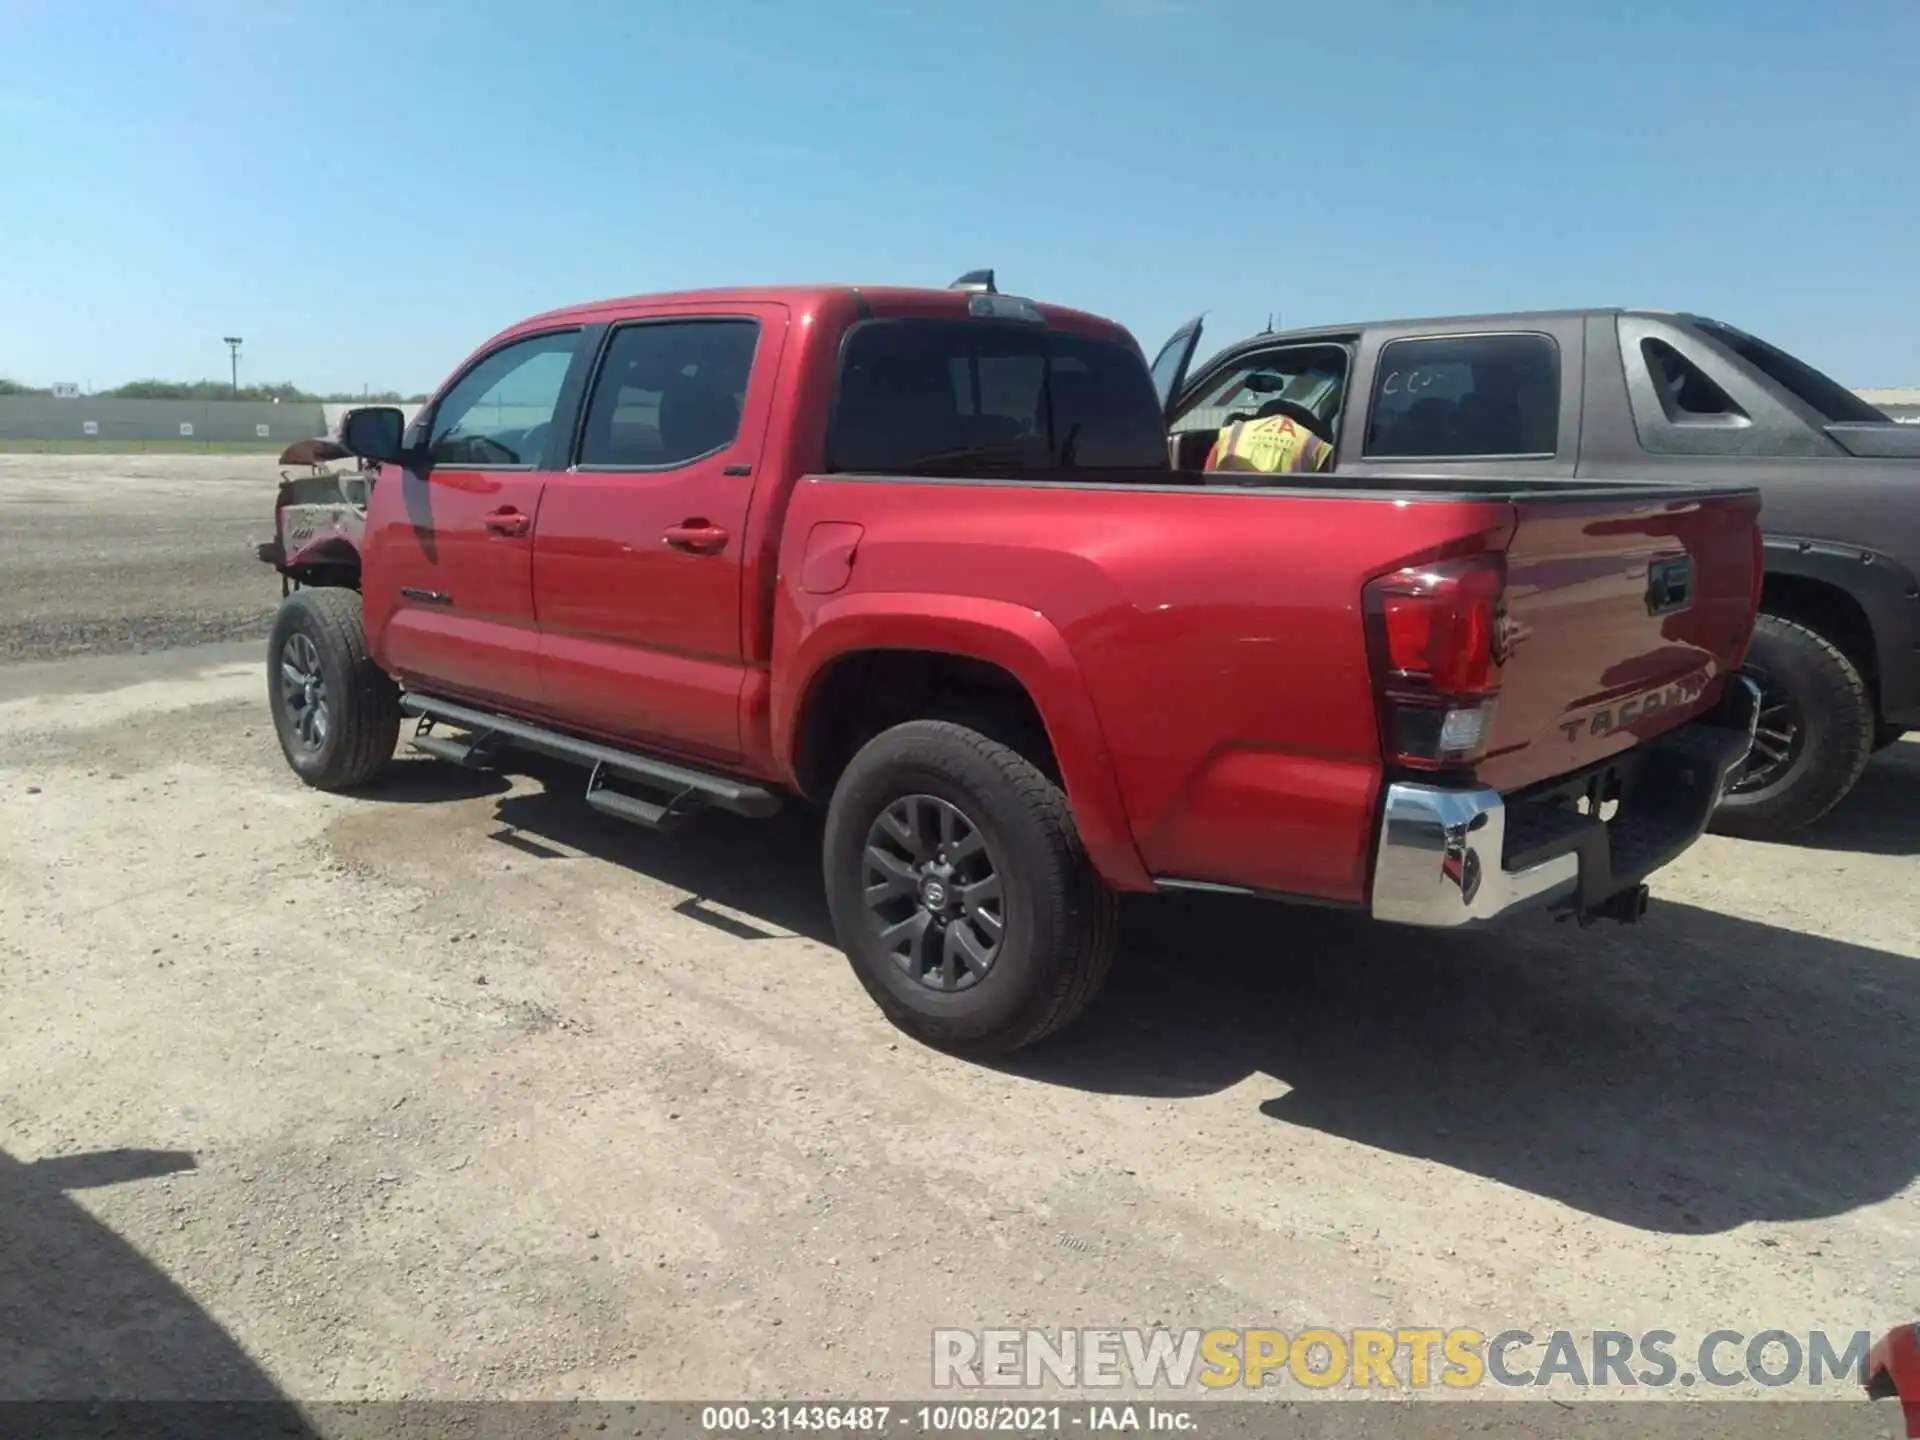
(1629, 907)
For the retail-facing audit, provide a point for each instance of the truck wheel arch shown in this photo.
(1858, 599)
(985, 640)
(333, 562)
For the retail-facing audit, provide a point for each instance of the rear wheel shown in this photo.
(336, 712)
(1815, 732)
(960, 890)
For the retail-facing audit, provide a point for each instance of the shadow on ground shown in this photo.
(84, 1316)
(1882, 815)
(767, 870)
(431, 782)
(1689, 1074)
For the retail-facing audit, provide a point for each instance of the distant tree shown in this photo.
(284, 390)
(157, 390)
(14, 387)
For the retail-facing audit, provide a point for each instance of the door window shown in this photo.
(1466, 395)
(500, 411)
(1309, 377)
(669, 392)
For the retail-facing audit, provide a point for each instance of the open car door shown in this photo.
(1171, 364)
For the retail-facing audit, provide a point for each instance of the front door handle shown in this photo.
(507, 521)
(697, 537)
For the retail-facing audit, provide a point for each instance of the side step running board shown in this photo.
(471, 752)
(690, 789)
(631, 808)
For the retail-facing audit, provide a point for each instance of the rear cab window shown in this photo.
(1461, 396)
(1692, 393)
(1687, 394)
(991, 398)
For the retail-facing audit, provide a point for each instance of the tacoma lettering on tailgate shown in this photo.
(1617, 716)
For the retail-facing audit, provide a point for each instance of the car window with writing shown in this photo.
(1493, 395)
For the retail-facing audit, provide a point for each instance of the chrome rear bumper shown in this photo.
(1440, 859)
(1448, 857)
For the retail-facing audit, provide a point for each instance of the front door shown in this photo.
(639, 552)
(1171, 364)
(449, 572)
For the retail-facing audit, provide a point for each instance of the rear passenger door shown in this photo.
(640, 552)
(1491, 401)
(449, 578)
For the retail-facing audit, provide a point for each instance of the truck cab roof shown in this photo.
(819, 299)
(1464, 322)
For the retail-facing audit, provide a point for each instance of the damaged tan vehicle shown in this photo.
(320, 515)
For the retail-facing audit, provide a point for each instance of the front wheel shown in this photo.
(961, 892)
(336, 712)
(1814, 736)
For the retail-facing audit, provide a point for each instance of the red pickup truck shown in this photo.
(927, 558)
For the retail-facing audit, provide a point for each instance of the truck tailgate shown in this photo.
(1623, 616)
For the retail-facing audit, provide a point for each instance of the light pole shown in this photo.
(233, 353)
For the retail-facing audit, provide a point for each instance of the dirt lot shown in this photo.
(460, 1090)
(104, 554)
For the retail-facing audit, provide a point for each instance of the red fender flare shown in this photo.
(1894, 1364)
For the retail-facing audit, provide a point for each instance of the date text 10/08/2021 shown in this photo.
(943, 1419)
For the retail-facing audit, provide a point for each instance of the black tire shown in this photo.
(1820, 698)
(321, 632)
(1058, 919)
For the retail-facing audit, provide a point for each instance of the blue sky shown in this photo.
(365, 191)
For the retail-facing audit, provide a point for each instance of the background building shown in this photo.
(1902, 402)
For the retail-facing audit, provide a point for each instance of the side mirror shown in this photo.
(375, 432)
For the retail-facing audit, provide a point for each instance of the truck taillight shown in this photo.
(1434, 633)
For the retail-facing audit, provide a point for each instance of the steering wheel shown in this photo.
(457, 449)
(1298, 413)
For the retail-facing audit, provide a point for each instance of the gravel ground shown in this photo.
(116, 554)
(459, 1090)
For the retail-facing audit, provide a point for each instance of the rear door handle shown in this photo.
(507, 521)
(697, 537)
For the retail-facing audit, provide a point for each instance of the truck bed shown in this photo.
(1219, 631)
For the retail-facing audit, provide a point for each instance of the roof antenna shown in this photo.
(978, 281)
(1269, 329)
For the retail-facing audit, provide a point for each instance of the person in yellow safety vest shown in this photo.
(1273, 445)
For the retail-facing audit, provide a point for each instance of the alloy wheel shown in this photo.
(1778, 738)
(303, 689)
(933, 892)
